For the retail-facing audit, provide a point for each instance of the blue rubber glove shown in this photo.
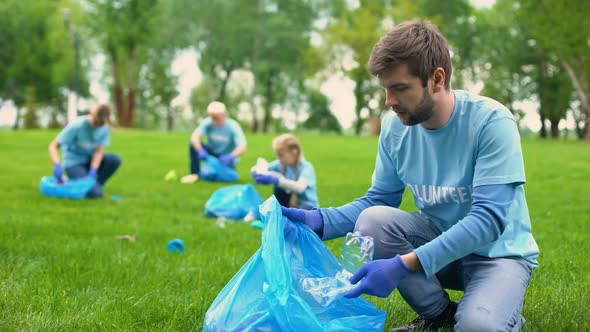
(311, 218)
(58, 171)
(227, 159)
(92, 172)
(379, 277)
(203, 154)
(265, 178)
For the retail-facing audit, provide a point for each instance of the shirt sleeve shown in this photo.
(68, 134)
(484, 224)
(386, 189)
(274, 166)
(499, 157)
(204, 126)
(105, 140)
(308, 174)
(239, 136)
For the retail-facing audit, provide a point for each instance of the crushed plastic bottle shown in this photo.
(356, 251)
(261, 166)
(327, 290)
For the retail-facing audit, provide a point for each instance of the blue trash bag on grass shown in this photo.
(214, 170)
(234, 202)
(266, 294)
(74, 188)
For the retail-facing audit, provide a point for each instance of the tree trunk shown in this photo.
(169, 119)
(543, 131)
(53, 122)
(16, 118)
(130, 111)
(579, 86)
(580, 130)
(554, 128)
(260, 12)
(358, 126)
(31, 119)
(268, 96)
(117, 89)
(374, 125)
(255, 123)
(223, 88)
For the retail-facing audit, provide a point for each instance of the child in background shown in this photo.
(293, 177)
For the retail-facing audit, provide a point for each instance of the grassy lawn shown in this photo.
(61, 268)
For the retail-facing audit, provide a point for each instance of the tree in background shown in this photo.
(158, 85)
(124, 29)
(504, 59)
(353, 34)
(563, 28)
(226, 42)
(516, 68)
(320, 116)
(555, 94)
(455, 20)
(278, 61)
(36, 59)
(31, 119)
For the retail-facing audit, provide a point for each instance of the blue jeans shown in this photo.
(108, 166)
(494, 288)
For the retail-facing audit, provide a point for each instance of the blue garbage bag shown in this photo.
(73, 188)
(266, 294)
(234, 202)
(214, 170)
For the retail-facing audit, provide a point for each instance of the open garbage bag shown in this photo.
(266, 293)
(76, 188)
(213, 170)
(234, 202)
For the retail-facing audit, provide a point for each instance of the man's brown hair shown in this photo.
(417, 43)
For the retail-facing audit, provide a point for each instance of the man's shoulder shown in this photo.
(480, 107)
(233, 124)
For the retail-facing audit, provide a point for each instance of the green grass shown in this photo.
(61, 268)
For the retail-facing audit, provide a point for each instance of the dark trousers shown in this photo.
(108, 166)
(195, 163)
(283, 197)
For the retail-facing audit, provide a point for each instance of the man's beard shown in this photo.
(421, 113)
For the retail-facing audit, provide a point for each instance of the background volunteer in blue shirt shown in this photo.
(293, 177)
(225, 140)
(460, 156)
(83, 144)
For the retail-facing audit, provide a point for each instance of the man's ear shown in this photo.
(439, 79)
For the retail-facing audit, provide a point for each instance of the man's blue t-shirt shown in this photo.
(479, 145)
(223, 139)
(79, 141)
(309, 198)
